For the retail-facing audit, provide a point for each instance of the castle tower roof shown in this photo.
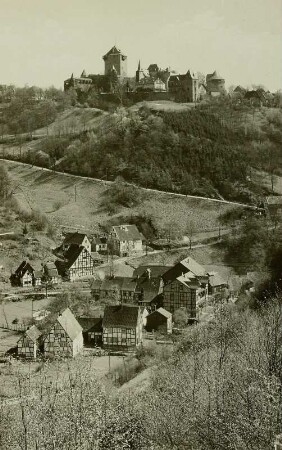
(215, 76)
(139, 65)
(113, 51)
(83, 75)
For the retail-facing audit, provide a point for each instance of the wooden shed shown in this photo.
(159, 320)
(30, 343)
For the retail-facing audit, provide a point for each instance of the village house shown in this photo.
(195, 270)
(127, 240)
(77, 263)
(122, 327)
(159, 320)
(181, 293)
(100, 244)
(120, 289)
(24, 275)
(92, 330)
(216, 284)
(30, 344)
(149, 285)
(65, 337)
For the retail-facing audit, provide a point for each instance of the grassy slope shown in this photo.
(42, 190)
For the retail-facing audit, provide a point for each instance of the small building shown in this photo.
(77, 263)
(100, 244)
(127, 240)
(30, 344)
(23, 276)
(51, 272)
(122, 327)
(159, 320)
(65, 337)
(92, 330)
(216, 283)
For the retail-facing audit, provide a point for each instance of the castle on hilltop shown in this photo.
(165, 82)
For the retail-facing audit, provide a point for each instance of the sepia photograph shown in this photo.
(141, 225)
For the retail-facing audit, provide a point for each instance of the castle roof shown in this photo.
(214, 76)
(114, 51)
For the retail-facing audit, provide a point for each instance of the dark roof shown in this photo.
(121, 316)
(72, 254)
(23, 268)
(114, 50)
(100, 240)
(128, 233)
(69, 324)
(91, 323)
(155, 270)
(149, 288)
(74, 238)
(118, 283)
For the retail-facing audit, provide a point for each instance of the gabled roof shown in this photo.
(74, 238)
(149, 288)
(69, 323)
(182, 269)
(23, 268)
(216, 280)
(121, 316)
(193, 267)
(91, 323)
(128, 233)
(33, 333)
(164, 313)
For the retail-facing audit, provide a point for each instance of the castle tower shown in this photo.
(114, 58)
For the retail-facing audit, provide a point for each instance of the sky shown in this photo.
(43, 41)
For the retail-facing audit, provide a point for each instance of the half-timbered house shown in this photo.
(65, 337)
(30, 344)
(77, 263)
(122, 327)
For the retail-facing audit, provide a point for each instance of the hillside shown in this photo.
(74, 202)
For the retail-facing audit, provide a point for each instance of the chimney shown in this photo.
(149, 273)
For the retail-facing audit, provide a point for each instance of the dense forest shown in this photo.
(191, 152)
